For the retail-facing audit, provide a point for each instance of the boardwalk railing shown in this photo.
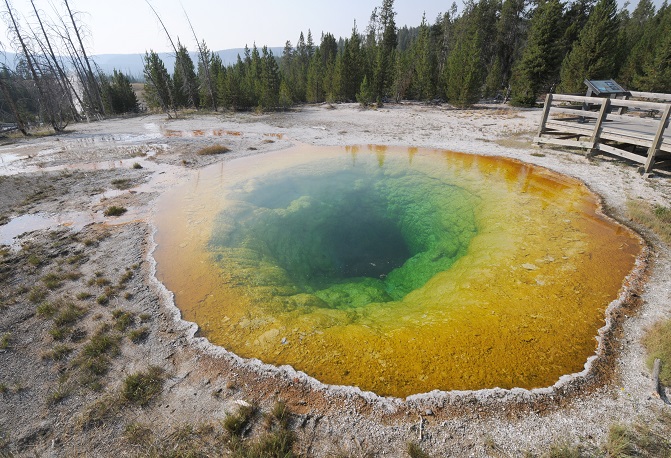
(630, 129)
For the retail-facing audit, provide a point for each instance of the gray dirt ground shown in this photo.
(88, 279)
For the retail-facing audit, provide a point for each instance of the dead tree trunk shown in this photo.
(12, 106)
(95, 88)
(174, 48)
(204, 58)
(44, 99)
(48, 50)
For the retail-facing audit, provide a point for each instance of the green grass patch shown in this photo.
(655, 217)
(69, 315)
(141, 388)
(122, 183)
(115, 211)
(212, 150)
(138, 335)
(59, 352)
(415, 451)
(5, 340)
(136, 165)
(657, 341)
(235, 424)
(37, 294)
(124, 320)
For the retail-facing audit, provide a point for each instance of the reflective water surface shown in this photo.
(397, 270)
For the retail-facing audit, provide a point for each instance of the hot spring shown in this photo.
(396, 270)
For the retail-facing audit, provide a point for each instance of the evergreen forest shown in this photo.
(493, 50)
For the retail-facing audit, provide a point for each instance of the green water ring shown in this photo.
(342, 238)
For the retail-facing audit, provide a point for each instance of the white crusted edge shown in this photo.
(435, 398)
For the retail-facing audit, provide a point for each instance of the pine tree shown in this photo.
(464, 68)
(158, 89)
(423, 58)
(118, 94)
(350, 71)
(539, 65)
(640, 35)
(510, 33)
(385, 51)
(655, 75)
(365, 94)
(185, 80)
(595, 52)
(270, 81)
(285, 100)
(315, 89)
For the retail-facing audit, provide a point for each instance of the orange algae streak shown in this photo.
(520, 308)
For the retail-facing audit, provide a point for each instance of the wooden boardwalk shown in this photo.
(635, 130)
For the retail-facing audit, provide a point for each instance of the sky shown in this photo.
(129, 26)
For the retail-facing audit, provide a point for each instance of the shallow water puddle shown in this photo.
(397, 270)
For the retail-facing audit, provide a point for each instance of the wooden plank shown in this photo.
(620, 152)
(556, 141)
(546, 112)
(652, 152)
(638, 104)
(566, 126)
(599, 121)
(633, 120)
(618, 136)
(576, 112)
(651, 95)
(577, 98)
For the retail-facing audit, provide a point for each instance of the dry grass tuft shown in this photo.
(141, 388)
(212, 150)
(115, 211)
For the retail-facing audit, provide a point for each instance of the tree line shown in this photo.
(507, 49)
(493, 49)
(55, 81)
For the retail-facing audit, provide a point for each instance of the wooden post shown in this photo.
(596, 133)
(652, 152)
(546, 113)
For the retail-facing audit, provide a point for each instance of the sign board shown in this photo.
(604, 87)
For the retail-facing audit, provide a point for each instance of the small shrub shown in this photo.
(115, 211)
(563, 450)
(136, 165)
(142, 387)
(103, 299)
(144, 317)
(212, 150)
(84, 295)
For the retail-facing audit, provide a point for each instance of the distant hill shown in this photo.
(131, 64)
